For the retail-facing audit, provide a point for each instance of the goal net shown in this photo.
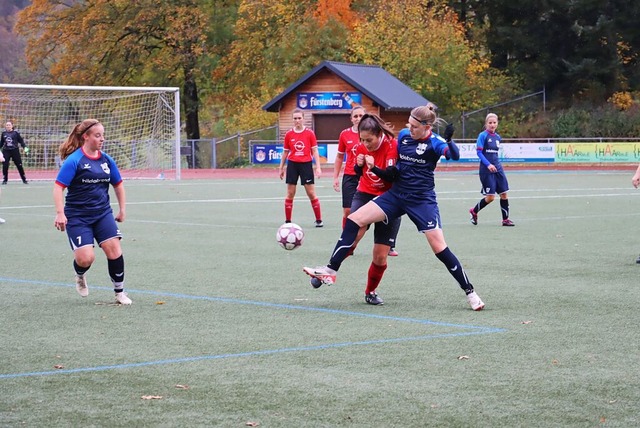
(142, 131)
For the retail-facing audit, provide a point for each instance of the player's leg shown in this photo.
(17, 160)
(308, 180)
(392, 249)
(384, 236)
(488, 181)
(108, 236)
(426, 216)
(5, 166)
(502, 187)
(291, 179)
(81, 241)
(349, 187)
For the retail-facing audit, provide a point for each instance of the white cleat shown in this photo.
(322, 273)
(81, 285)
(475, 302)
(123, 299)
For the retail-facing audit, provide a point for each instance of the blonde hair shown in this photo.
(427, 115)
(486, 119)
(75, 140)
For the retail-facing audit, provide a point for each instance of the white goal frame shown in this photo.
(142, 125)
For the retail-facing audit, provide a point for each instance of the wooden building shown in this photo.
(327, 93)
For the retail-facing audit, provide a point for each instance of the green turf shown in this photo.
(220, 308)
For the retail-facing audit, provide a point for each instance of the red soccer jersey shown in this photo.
(300, 144)
(346, 144)
(385, 156)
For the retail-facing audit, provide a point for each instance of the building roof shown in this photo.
(373, 81)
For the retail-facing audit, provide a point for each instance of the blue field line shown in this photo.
(247, 354)
(475, 330)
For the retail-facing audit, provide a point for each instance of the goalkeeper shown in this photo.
(10, 143)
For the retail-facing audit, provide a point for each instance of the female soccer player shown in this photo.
(86, 214)
(375, 160)
(300, 147)
(412, 193)
(492, 175)
(348, 141)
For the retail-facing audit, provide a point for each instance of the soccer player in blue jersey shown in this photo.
(412, 193)
(86, 212)
(1, 160)
(492, 175)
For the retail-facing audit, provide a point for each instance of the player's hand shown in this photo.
(336, 185)
(448, 132)
(281, 173)
(492, 168)
(120, 217)
(60, 222)
(635, 181)
(370, 161)
(26, 150)
(360, 160)
(318, 171)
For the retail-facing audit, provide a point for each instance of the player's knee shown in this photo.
(489, 198)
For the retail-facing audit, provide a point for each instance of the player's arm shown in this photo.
(452, 152)
(316, 158)
(60, 221)
(337, 166)
(122, 200)
(283, 159)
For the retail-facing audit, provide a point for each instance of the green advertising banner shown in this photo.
(597, 152)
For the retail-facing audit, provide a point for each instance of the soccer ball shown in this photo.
(290, 236)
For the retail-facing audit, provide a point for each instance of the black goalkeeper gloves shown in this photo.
(448, 132)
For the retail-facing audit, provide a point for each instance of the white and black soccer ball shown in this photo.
(290, 236)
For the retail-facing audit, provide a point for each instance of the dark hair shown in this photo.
(373, 123)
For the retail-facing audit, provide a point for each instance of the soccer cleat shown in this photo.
(287, 221)
(638, 260)
(474, 216)
(475, 302)
(393, 252)
(3, 221)
(508, 222)
(319, 223)
(81, 285)
(25, 181)
(122, 298)
(323, 274)
(373, 299)
(315, 282)
(4, 182)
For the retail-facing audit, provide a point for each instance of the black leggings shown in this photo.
(17, 160)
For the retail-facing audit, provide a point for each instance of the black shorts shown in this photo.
(304, 170)
(385, 232)
(349, 187)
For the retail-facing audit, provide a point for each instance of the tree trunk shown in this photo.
(191, 106)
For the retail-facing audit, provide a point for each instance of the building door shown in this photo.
(329, 126)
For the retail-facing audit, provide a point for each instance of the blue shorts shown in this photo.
(83, 230)
(302, 170)
(422, 210)
(349, 187)
(384, 232)
(494, 182)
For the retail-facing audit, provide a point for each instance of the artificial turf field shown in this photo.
(225, 330)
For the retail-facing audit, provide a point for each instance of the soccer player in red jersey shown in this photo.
(635, 180)
(300, 148)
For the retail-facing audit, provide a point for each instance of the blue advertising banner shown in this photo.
(272, 153)
(328, 100)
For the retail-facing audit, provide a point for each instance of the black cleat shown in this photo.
(373, 299)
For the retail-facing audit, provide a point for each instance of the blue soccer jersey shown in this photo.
(87, 181)
(489, 145)
(417, 161)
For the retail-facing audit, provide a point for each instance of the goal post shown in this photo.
(142, 125)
